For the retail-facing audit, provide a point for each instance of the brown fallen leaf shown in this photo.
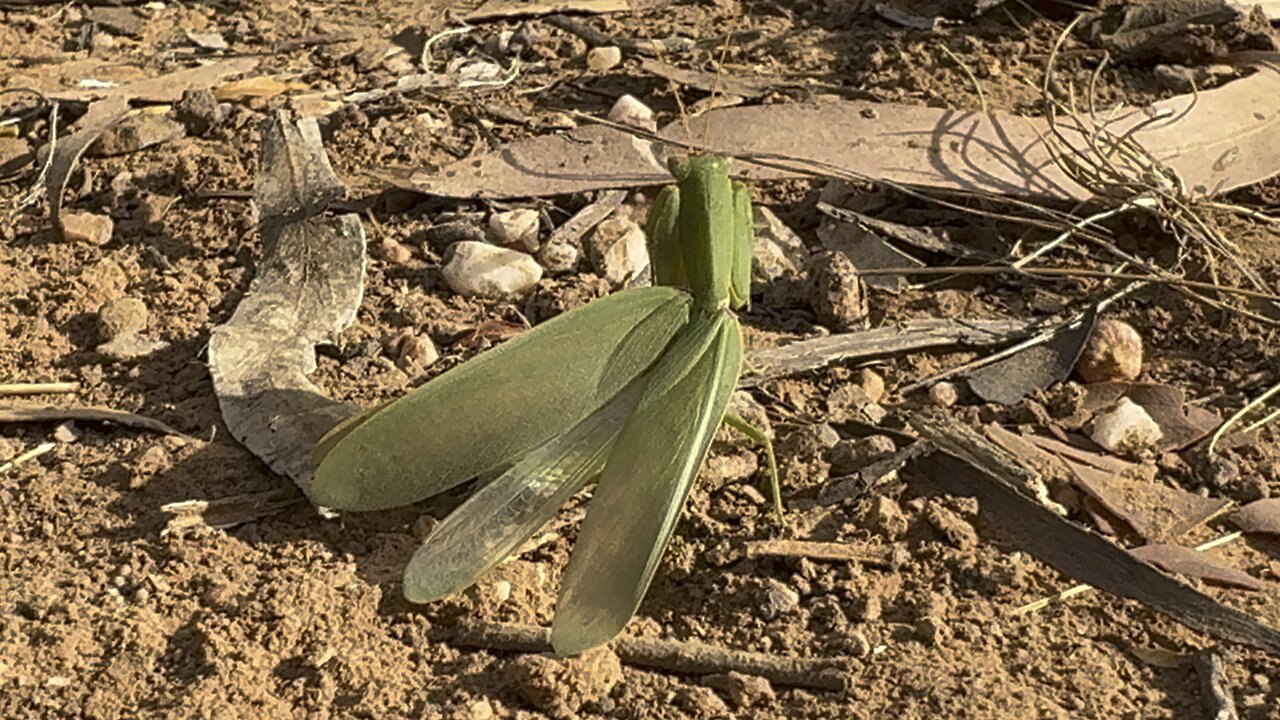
(67, 150)
(1260, 517)
(1187, 561)
(1109, 463)
(262, 86)
(495, 9)
(260, 359)
(165, 88)
(87, 414)
(1220, 140)
(1153, 511)
(1182, 424)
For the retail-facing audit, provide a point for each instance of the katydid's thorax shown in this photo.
(700, 231)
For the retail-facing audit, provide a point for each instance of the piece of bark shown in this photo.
(905, 337)
(968, 465)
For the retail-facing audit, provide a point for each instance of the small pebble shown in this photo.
(932, 630)
(124, 316)
(559, 257)
(618, 250)
(743, 690)
(87, 227)
(1125, 428)
(394, 252)
(779, 600)
(412, 352)
(778, 251)
(1113, 352)
(944, 394)
(886, 517)
(517, 228)
(836, 293)
(603, 59)
(479, 269)
(630, 111)
(872, 384)
(199, 111)
(860, 644)
(66, 432)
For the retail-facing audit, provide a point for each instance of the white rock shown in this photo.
(559, 257)
(778, 250)
(944, 394)
(87, 227)
(479, 269)
(1125, 428)
(630, 111)
(517, 228)
(778, 599)
(603, 59)
(618, 250)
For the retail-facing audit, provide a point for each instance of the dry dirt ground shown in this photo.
(103, 616)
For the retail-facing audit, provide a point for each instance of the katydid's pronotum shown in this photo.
(630, 389)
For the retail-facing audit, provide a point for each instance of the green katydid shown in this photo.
(630, 388)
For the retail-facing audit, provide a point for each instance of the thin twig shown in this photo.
(31, 454)
(692, 658)
(1240, 414)
(829, 551)
(1067, 272)
(977, 86)
(52, 388)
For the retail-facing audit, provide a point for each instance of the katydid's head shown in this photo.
(683, 167)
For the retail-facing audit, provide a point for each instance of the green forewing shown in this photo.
(500, 516)
(486, 413)
(645, 482)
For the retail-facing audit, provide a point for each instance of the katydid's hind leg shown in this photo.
(665, 258)
(744, 232)
(758, 437)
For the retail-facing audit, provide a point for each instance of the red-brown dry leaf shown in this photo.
(1155, 512)
(1262, 517)
(1187, 561)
